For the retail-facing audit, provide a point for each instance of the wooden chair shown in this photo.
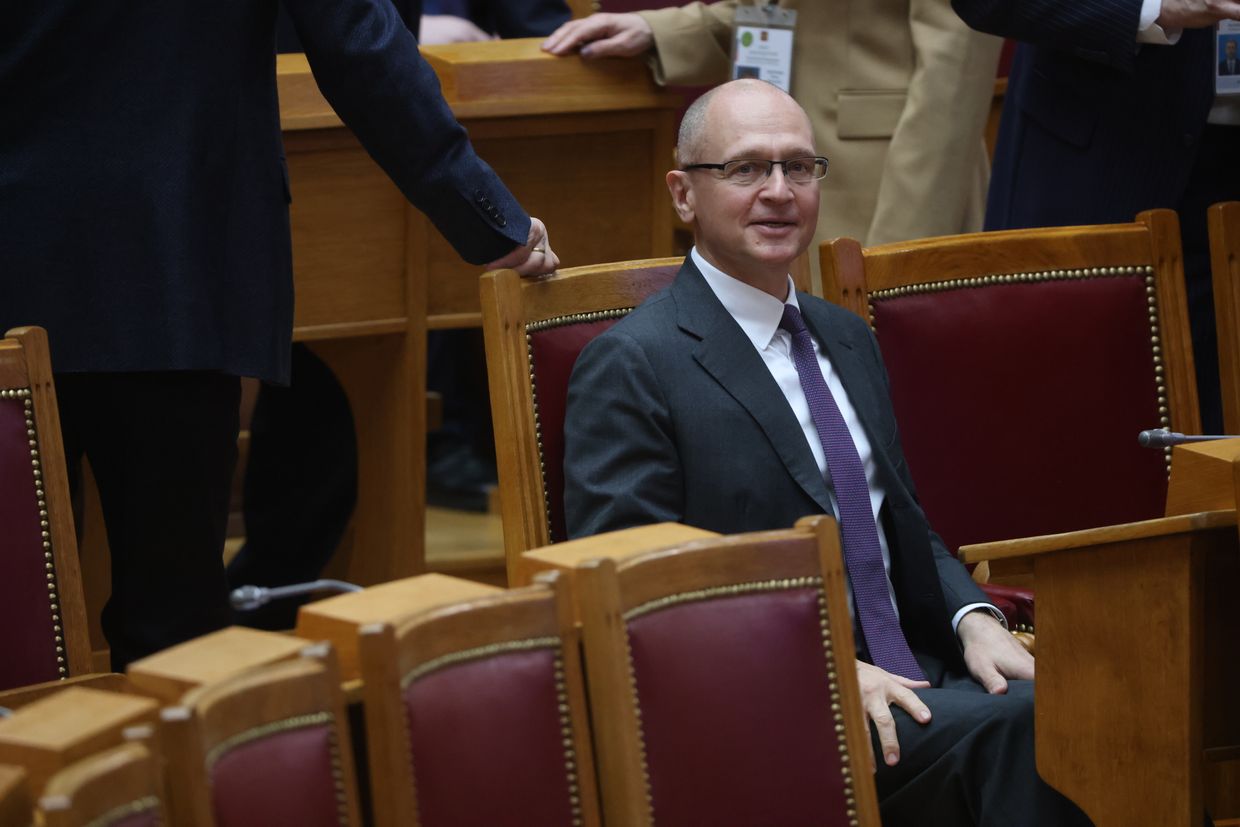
(1023, 364)
(1224, 220)
(265, 748)
(475, 714)
(535, 329)
(15, 809)
(723, 687)
(42, 609)
(120, 787)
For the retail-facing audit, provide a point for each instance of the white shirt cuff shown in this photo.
(964, 610)
(1150, 32)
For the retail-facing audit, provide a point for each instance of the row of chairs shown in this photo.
(1023, 364)
(718, 688)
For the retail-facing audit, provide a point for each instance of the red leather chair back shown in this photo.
(720, 671)
(487, 743)
(554, 348)
(283, 773)
(1019, 402)
(42, 611)
(27, 587)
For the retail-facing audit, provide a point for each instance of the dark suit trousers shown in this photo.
(162, 447)
(973, 764)
(1215, 177)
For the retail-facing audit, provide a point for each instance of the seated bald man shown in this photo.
(731, 402)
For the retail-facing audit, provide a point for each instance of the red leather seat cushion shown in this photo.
(736, 712)
(1019, 405)
(282, 780)
(487, 743)
(29, 649)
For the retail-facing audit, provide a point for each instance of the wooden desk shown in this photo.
(1137, 655)
(583, 146)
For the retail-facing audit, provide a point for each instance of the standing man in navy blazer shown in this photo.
(144, 222)
(690, 410)
(1111, 110)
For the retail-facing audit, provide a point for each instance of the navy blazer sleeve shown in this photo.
(367, 64)
(1101, 30)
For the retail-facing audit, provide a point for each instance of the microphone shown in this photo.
(1163, 438)
(249, 598)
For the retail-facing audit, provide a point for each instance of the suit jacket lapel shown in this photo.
(727, 354)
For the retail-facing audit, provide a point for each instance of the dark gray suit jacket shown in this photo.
(672, 415)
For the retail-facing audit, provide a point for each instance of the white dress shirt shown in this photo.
(758, 313)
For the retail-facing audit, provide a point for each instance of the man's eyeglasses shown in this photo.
(746, 171)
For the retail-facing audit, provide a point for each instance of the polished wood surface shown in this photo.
(1202, 477)
(25, 695)
(15, 805)
(584, 146)
(48, 735)
(1136, 664)
(104, 788)
(25, 362)
(1224, 222)
(168, 675)
(340, 619)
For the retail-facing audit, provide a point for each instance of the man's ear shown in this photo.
(682, 194)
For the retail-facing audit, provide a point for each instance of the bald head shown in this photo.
(703, 116)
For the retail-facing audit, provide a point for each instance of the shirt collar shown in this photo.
(756, 311)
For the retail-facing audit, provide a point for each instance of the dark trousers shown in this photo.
(300, 485)
(973, 764)
(162, 446)
(1215, 178)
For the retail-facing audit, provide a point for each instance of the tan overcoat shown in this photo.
(897, 91)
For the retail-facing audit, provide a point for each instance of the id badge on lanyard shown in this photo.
(1227, 54)
(762, 44)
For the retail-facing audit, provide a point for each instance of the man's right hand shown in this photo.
(602, 35)
(535, 258)
(879, 690)
(1196, 14)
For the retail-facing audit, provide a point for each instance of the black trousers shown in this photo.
(1215, 177)
(973, 764)
(162, 447)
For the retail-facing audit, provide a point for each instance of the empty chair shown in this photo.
(266, 748)
(119, 787)
(1024, 363)
(723, 685)
(42, 609)
(1224, 220)
(475, 715)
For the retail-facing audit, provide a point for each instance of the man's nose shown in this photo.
(776, 186)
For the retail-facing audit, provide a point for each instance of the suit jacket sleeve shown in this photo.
(367, 64)
(1099, 30)
(692, 43)
(936, 146)
(612, 483)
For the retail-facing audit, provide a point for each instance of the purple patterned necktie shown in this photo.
(862, 554)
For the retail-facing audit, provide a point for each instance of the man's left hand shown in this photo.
(991, 653)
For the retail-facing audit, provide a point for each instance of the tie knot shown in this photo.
(792, 321)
